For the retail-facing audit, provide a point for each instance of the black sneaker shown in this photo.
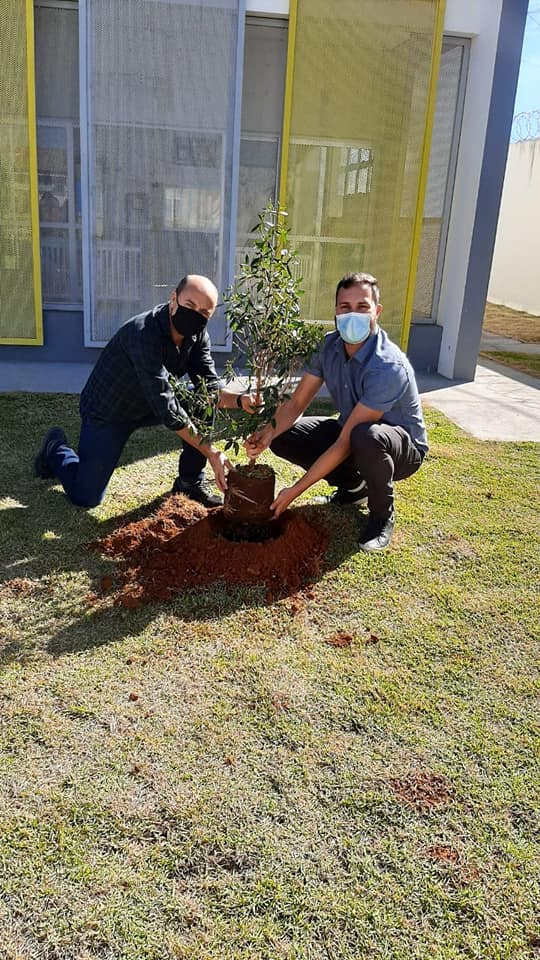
(52, 438)
(377, 534)
(343, 497)
(199, 490)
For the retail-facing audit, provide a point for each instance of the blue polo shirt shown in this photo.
(378, 375)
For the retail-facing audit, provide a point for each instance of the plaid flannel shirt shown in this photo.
(130, 381)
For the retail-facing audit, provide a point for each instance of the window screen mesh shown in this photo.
(359, 100)
(59, 160)
(265, 64)
(444, 132)
(20, 297)
(161, 110)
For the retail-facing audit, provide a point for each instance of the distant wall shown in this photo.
(515, 278)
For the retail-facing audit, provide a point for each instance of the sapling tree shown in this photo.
(263, 311)
(271, 340)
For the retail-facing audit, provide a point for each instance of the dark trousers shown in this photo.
(379, 455)
(84, 475)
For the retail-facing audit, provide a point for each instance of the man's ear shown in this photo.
(378, 310)
(173, 303)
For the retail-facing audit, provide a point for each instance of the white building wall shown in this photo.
(515, 279)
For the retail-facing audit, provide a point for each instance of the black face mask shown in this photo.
(188, 322)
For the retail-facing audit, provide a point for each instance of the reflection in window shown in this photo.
(156, 215)
(59, 210)
(355, 171)
(53, 175)
(58, 153)
(257, 185)
(192, 208)
(197, 150)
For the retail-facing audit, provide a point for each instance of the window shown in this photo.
(157, 154)
(442, 167)
(265, 52)
(355, 173)
(192, 209)
(355, 149)
(59, 187)
(59, 157)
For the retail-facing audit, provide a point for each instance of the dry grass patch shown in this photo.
(511, 323)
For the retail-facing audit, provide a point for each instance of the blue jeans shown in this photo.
(85, 475)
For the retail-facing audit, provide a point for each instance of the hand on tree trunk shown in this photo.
(220, 464)
(259, 441)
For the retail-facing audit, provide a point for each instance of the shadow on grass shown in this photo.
(25, 418)
(42, 532)
(45, 541)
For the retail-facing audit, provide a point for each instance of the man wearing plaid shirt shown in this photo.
(129, 388)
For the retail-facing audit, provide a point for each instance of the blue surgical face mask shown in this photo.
(353, 327)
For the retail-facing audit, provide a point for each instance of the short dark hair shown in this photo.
(181, 285)
(350, 279)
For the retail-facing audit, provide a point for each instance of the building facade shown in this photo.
(140, 138)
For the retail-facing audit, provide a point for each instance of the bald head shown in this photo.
(198, 293)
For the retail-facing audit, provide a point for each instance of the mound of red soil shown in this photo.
(183, 545)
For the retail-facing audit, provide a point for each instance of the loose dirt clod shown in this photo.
(340, 639)
(423, 790)
(442, 853)
(182, 545)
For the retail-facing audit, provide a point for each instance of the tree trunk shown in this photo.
(250, 491)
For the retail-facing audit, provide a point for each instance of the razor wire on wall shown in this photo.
(526, 126)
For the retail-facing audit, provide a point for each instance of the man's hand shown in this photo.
(259, 441)
(282, 501)
(250, 403)
(219, 463)
(241, 401)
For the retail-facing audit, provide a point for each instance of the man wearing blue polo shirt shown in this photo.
(379, 436)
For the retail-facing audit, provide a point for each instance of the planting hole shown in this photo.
(246, 532)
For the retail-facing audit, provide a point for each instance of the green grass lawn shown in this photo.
(524, 362)
(212, 779)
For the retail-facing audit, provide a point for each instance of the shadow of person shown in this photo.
(44, 547)
(41, 529)
(105, 625)
(25, 418)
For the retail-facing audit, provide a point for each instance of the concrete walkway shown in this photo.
(501, 404)
(493, 341)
